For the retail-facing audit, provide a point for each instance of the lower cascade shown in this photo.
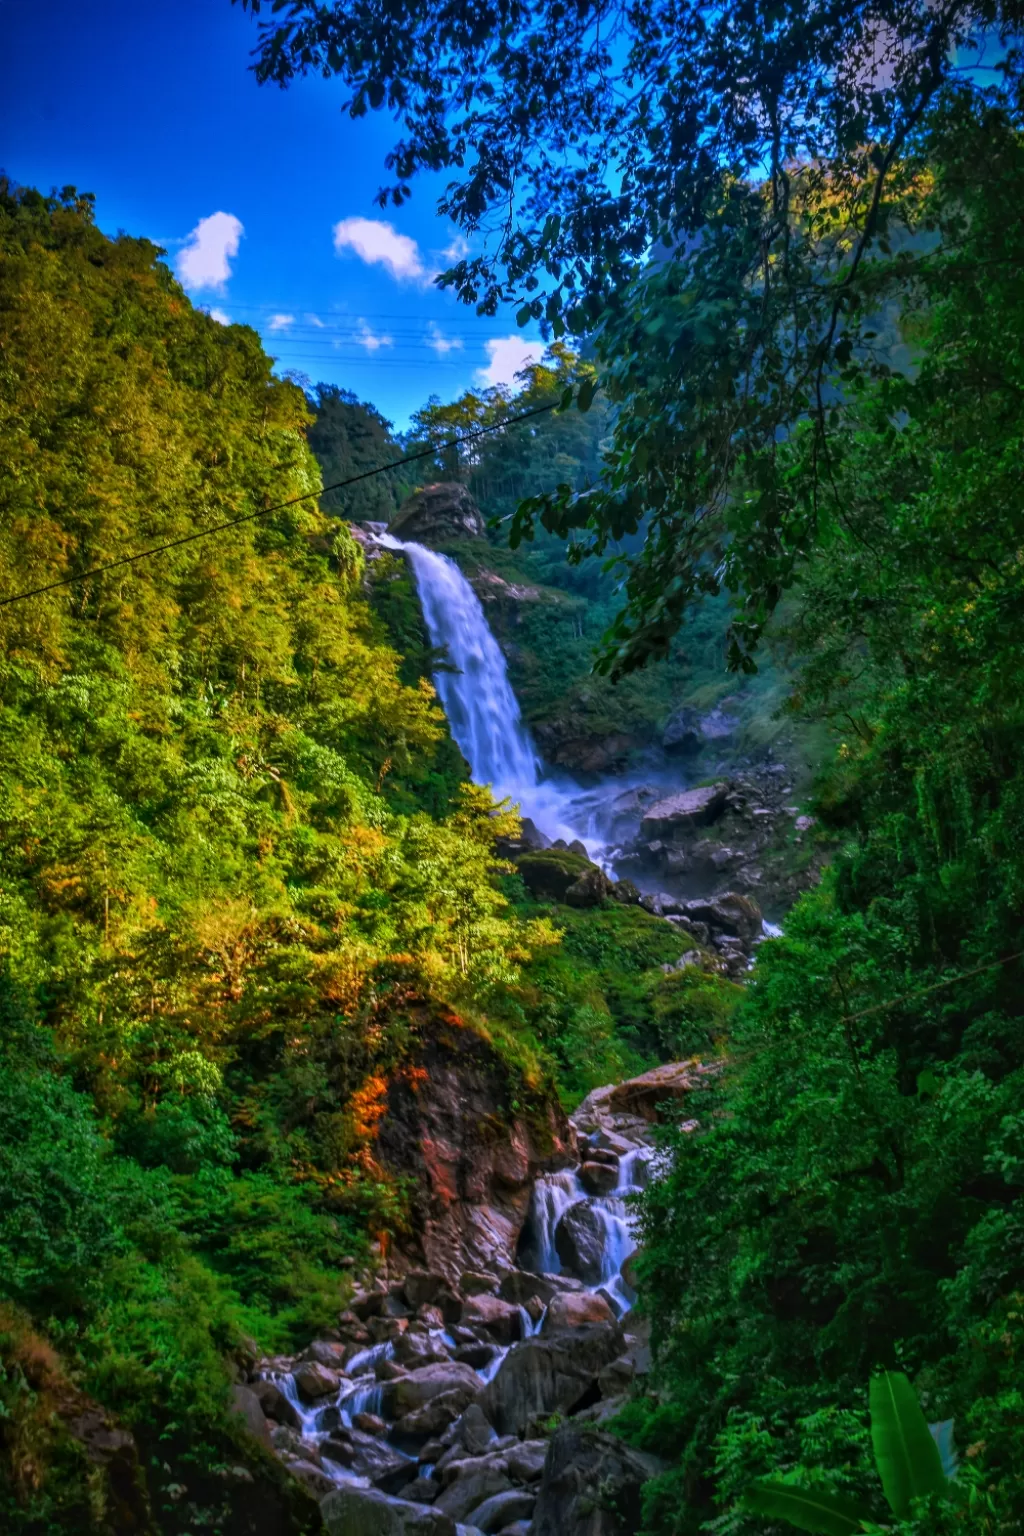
(432, 1401)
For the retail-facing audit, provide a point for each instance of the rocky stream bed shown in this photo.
(450, 1406)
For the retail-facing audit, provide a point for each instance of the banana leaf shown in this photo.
(809, 1509)
(907, 1457)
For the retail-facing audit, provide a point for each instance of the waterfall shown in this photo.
(482, 709)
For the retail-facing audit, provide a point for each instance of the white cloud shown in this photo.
(507, 356)
(315, 320)
(280, 322)
(442, 344)
(203, 261)
(370, 340)
(379, 244)
(220, 317)
(458, 248)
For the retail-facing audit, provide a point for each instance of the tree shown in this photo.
(349, 437)
(716, 194)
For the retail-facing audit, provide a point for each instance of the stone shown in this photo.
(519, 1285)
(476, 1433)
(390, 1370)
(316, 1381)
(598, 1178)
(475, 1282)
(548, 1373)
(275, 1405)
(577, 1311)
(518, 1528)
(421, 1386)
(432, 1316)
(438, 513)
(526, 1460)
(369, 1423)
(627, 1269)
(733, 914)
(421, 1287)
(580, 1237)
(477, 1355)
(435, 1417)
(642, 1096)
(590, 890)
(616, 1378)
(551, 873)
(495, 1513)
(685, 811)
(502, 1319)
(315, 1479)
(422, 1490)
(454, 1466)
(417, 1349)
(625, 892)
(369, 1305)
(592, 1485)
(350, 1511)
(466, 1493)
(246, 1405)
(326, 1352)
(368, 1457)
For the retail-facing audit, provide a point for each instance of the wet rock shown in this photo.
(495, 1513)
(368, 1457)
(580, 1237)
(417, 1349)
(598, 1178)
(437, 514)
(519, 1285)
(432, 1316)
(369, 1423)
(733, 914)
(591, 1486)
(684, 811)
(502, 1319)
(475, 1430)
(577, 1311)
(420, 1386)
(518, 1528)
(421, 1287)
(246, 1405)
(313, 1477)
(625, 892)
(316, 1381)
(371, 1304)
(422, 1490)
(616, 1378)
(390, 1370)
(641, 1097)
(590, 890)
(474, 1282)
(526, 1460)
(275, 1405)
(436, 1417)
(350, 1511)
(477, 1355)
(465, 1494)
(326, 1352)
(546, 1374)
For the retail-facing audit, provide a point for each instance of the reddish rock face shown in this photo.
(450, 1129)
(576, 1309)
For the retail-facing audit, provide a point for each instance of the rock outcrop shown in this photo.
(591, 1486)
(437, 514)
(449, 1130)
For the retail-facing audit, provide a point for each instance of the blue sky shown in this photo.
(264, 199)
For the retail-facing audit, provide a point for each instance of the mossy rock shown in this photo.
(550, 872)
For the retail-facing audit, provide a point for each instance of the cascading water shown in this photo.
(483, 711)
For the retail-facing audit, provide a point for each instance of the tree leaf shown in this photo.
(585, 399)
(809, 1509)
(907, 1457)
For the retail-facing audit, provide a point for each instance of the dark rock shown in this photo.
(519, 1285)
(476, 1355)
(577, 1311)
(616, 1378)
(598, 1178)
(368, 1457)
(579, 1242)
(437, 514)
(315, 1381)
(642, 1096)
(626, 892)
(682, 735)
(416, 1349)
(465, 1494)
(548, 1374)
(681, 812)
(422, 1490)
(591, 1486)
(435, 1417)
(370, 1305)
(526, 1460)
(317, 1481)
(275, 1405)
(495, 1513)
(592, 887)
(476, 1283)
(732, 914)
(502, 1319)
(422, 1385)
(326, 1352)
(549, 874)
(246, 1405)
(369, 1423)
(421, 1286)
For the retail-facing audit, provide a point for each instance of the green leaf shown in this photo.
(907, 1457)
(585, 398)
(524, 315)
(809, 1509)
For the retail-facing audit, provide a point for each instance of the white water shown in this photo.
(483, 711)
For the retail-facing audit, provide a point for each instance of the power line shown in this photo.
(248, 517)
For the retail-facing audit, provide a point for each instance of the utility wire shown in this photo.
(248, 517)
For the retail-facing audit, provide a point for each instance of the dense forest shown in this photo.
(247, 884)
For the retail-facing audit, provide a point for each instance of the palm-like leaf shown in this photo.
(809, 1509)
(907, 1457)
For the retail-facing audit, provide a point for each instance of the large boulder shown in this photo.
(580, 1238)
(521, 1285)
(733, 914)
(642, 1097)
(366, 1456)
(418, 1387)
(467, 1493)
(360, 1512)
(549, 873)
(591, 1486)
(502, 1319)
(437, 514)
(688, 731)
(549, 1373)
(683, 812)
(577, 1310)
